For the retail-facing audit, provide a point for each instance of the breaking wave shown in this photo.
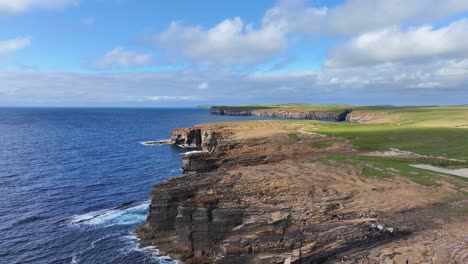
(149, 251)
(193, 151)
(126, 214)
(154, 142)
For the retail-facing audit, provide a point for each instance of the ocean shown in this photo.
(75, 182)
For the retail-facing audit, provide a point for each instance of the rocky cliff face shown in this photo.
(281, 113)
(362, 117)
(252, 196)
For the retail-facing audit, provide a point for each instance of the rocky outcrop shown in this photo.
(199, 138)
(187, 138)
(281, 113)
(213, 145)
(363, 117)
(221, 211)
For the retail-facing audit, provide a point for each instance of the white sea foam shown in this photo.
(115, 216)
(193, 151)
(75, 256)
(150, 251)
(152, 142)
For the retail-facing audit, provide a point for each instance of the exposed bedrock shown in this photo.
(252, 199)
(214, 145)
(197, 137)
(281, 113)
(192, 221)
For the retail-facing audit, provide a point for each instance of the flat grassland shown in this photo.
(434, 135)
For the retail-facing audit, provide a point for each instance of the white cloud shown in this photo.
(358, 16)
(434, 82)
(233, 42)
(203, 86)
(88, 21)
(12, 45)
(229, 42)
(171, 98)
(393, 44)
(295, 16)
(21, 6)
(426, 85)
(120, 57)
(454, 69)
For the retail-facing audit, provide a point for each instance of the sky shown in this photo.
(154, 53)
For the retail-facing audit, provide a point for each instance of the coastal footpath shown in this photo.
(288, 192)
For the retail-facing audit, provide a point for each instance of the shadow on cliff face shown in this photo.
(342, 116)
(288, 113)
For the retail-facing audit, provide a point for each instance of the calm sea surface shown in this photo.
(75, 183)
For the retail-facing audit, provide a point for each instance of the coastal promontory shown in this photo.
(301, 191)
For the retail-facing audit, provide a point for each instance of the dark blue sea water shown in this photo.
(75, 183)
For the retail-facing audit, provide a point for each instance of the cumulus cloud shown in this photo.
(374, 65)
(295, 16)
(393, 44)
(235, 42)
(120, 57)
(12, 45)
(358, 16)
(436, 82)
(21, 6)
(230, 42)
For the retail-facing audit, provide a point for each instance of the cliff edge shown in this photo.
(265, 192)
(339, 115)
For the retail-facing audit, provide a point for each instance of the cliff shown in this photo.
(252, 195)
(281, 113)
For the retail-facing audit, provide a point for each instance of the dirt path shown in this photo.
(459, 172)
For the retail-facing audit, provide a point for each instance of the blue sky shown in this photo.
(185, 53)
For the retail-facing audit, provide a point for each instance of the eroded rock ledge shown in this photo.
(252, 196)
(282, 113)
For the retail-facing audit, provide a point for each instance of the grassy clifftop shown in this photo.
(426, 116)
(438, 134)
(434, 131)
(430, 131)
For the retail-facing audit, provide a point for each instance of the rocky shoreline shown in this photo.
(253, 196)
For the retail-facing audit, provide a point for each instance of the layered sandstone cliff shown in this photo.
(281, 113)
(251, 195)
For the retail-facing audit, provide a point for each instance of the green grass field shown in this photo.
(429, 131)
(432, 141)
(427, 116)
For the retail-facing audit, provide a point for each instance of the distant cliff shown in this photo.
(281, 113)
